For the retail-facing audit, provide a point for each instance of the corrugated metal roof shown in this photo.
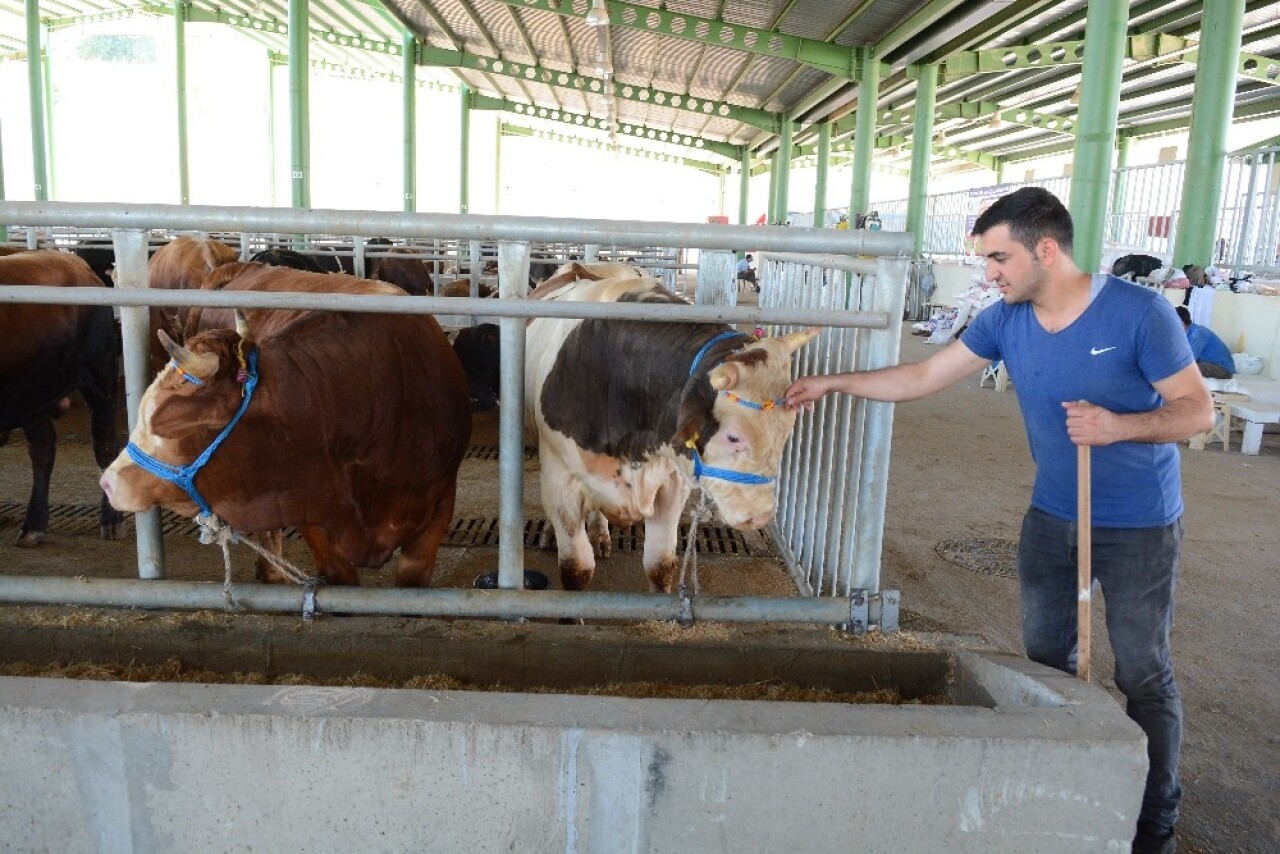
(683, 67)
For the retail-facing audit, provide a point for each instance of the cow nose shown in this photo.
(761, 520)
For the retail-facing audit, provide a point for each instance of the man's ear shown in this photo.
(1047, 251)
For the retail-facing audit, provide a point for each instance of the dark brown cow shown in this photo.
(181, 264)
(46, 353)
(354, 432)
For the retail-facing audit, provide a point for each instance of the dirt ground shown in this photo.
(961, 472)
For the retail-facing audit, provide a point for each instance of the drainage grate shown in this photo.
(987, 555)
(483, 531)
(477, 531)
(490, 452)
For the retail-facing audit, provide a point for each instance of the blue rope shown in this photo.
(729, 333)
(185, 476)
(701, 470)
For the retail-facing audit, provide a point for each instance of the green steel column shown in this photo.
(1118, 188)
(921, 151)
(864, 132)
(785, 148)
(1211, 107)
(820, 186)
(1000, 170)
(410, 51)
(50, 141)
(4, 232)
(180, 59)
(744, 187)
(464, 171)
(1104, 43)
(299, 106)
(35, 84)
(773, 189)
(272, 154)
(497, 167)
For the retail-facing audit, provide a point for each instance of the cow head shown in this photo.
(187, 405)
(718, 420)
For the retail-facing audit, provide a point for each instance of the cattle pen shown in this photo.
(169, 767)
(833, 483)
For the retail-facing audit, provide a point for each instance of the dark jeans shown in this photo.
(1138, 570)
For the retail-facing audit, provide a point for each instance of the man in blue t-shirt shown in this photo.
(1213, 357)
(1103, 363)
(747, 273)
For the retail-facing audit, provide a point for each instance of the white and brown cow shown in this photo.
(624, 408)
(354, 431)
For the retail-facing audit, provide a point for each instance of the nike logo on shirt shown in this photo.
(1094, 351)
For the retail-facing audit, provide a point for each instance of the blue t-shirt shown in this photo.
(1128, 338)
(1208, 347)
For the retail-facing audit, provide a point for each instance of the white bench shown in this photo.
(1261, 408)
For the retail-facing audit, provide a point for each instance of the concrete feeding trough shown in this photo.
(1012, 757)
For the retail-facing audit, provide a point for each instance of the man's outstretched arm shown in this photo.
(911, 381)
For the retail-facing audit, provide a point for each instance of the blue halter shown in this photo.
(700, 469)
(185, 476)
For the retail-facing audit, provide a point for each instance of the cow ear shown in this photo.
(795, 340)
(199, 365)
(691, 421)
(724, 376)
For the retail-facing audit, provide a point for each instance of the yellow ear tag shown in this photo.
(693, 442)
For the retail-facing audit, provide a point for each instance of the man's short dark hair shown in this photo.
(1184, 314)
(1032, 214)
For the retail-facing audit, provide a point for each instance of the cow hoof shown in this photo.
(31, 539)
(603, 547)
(113, 531)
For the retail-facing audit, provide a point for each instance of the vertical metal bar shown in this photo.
(180, 79)
(1248, 215)
(476, 265)
(1104, 38)
(1211, 106)
(51, 142)
(716, 282)
(921, 155)
(1118, 188)
(299, 102)
(35, 92)
(884, 346)
(4, 229)
(273, 156)
(409, 50)
(773, 190)
(864, 132)
(358, 263)
(135, 329)
(744, 187)
(820, 181)
(591, 252)
(464, 153)
(513, 282)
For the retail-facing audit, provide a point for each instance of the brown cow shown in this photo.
(354, 432)
(181, 264)
(46, 352)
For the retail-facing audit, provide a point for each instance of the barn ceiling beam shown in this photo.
(644, 153)
(532, 111)
(948, 152)
(443, 58)
(987, 111)
(355, 72)
(824, 56)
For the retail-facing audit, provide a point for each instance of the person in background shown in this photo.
(1097, 362)
(747, 273)
(1213, 357)
(843, 224)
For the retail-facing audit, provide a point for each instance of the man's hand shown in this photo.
(1091, 425)
(806, 390)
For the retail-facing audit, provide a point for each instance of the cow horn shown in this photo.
(200, 365)
(242, 326)
(795, 340)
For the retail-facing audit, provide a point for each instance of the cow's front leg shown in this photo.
(598, 534)
(661, 532)
(563, 502)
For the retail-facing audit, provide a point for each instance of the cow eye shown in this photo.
(733, 438)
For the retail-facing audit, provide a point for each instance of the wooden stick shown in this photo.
(1084, 558)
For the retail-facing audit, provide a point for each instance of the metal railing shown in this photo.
(513, 236)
